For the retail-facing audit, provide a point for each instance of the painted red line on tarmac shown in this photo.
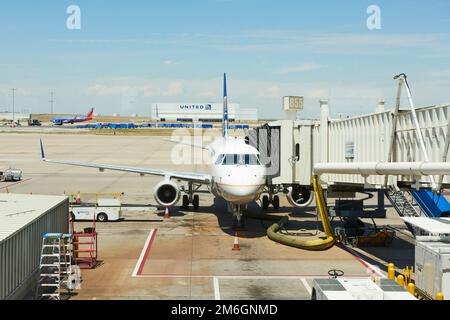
(147, 251)
(13, 184)
(364, 263)
(262, 276)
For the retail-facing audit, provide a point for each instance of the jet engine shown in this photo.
(299, 196)
(167, 193)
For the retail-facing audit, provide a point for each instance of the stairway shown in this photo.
(55, 265)
(401, 204)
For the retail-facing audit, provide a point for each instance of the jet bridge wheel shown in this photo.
(265, 202)
(276, 202)
(354, 227)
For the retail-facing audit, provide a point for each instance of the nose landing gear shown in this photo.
(238, 215)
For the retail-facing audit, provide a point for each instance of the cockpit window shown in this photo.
(238, 159)
(220, 159)
(251, 159)
(230, 159)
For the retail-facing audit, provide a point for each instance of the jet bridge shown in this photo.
(291, 149)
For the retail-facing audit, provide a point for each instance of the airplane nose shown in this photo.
(241, 190)
(245, 189)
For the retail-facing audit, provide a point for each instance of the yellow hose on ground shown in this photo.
(318, 244)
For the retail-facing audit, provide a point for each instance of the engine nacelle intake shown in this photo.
(167, 193)
(299, 196)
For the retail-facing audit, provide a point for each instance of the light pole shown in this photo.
(13, 91)
(51, 102)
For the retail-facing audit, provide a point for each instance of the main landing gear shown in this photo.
(190, 198)
(266, 201)
(195, 202)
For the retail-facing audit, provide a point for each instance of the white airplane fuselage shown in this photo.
(237, 174)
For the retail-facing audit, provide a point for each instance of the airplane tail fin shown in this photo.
(90, 114)
(225, 107)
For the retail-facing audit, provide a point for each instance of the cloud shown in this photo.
(284, 41)
(350, 97)
(169, 63)
(300, 68)
(143, 88)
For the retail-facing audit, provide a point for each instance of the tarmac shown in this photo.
(188, 256)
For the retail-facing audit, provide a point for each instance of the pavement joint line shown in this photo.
(306, 285)
(216, 288)
(144, 253)
(16, 183)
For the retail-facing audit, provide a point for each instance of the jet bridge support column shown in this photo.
(445, 153)
(324, 116)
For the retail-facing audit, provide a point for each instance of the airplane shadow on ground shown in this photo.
(254, 228)
(401, 252)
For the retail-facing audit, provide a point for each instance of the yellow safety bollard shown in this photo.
(439, 296)
(401, 280)
(412, 288)
(391, 273)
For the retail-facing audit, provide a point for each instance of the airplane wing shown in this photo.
(188, 176)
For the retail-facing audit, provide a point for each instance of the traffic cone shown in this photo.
(166, 214)
(236, 242)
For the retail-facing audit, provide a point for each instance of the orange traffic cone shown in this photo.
(236, 242)
(166, 214)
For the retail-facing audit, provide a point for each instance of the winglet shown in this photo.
(42, 150)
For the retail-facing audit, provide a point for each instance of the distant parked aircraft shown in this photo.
(74, 119)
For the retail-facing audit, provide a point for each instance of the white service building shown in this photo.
(17, 116)
(23, 220)
(203, 112)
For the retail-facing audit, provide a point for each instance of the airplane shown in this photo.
(236, 173)
(74, 119)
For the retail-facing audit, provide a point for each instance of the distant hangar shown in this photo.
(203, 112)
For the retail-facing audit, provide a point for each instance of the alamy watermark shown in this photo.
(374, 19)
(188, 149)
(73, 21)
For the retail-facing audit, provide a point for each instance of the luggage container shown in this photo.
(432, 267)
(11, 175)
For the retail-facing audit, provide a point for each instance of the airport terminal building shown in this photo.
(203, 112)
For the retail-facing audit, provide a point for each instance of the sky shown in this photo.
(127, 55)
